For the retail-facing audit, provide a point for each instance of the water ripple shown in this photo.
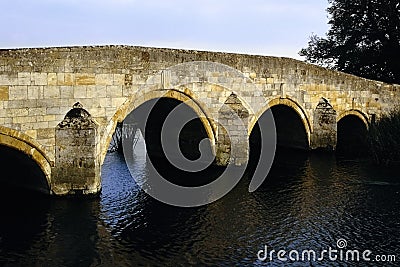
(306, 202)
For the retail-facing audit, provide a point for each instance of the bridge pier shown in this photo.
(324, 136)
(77, 149)
(232, 144)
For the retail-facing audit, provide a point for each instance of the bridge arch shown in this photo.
(352, 130)
(285, 102)
(186, 96)
(356, 113)
(21, 142)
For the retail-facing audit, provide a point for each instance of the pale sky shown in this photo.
(263, 27)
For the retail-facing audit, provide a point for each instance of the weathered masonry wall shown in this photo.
(77, 167)
(38, 86)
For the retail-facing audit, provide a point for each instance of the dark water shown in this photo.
(307, 202)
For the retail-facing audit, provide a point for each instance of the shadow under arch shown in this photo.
(176, 143)
(352, 131)
(186, 97)
(356, 113)
(28, 154)
(290, 103)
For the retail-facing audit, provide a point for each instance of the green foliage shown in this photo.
(364, 39)
(384, 139)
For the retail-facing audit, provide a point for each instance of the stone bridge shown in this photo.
(39, 86)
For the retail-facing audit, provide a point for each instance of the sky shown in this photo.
(262, 27)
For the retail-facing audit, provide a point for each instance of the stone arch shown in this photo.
(356, 113)
(31, 148)
(287, 102)
(185, 96)
(352, 132)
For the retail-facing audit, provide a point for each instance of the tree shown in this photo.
(363, 39)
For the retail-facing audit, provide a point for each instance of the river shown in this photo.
(309, 201)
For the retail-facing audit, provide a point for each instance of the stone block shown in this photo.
(69, 79)
(76, 137)
(110, 112)
(53, 124)
(21, 103)
(98, 112)
(49, 118)
(60, 78)
(49, 142)
(39, 78)
(114, 91)
(3, 113)
(4, 93)
(51, 92)
(117, 102)
(66, 92)
(53, 111)
(253, 75)
(18, 92)
(85, 79)
(8, 80)
(47, 133)
(21, 120)
(35, 92)
(104, 79)
(80, 92)
(53, 102)
(103, 102)
(98, 91)
(270, 80)
(52, 79)
(31, 133)
(18, 112)
(24, 78)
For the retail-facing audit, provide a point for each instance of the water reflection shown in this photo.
(38, 230)
(22, 222)
(308, 201)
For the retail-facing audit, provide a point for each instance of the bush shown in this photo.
(384, 139)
